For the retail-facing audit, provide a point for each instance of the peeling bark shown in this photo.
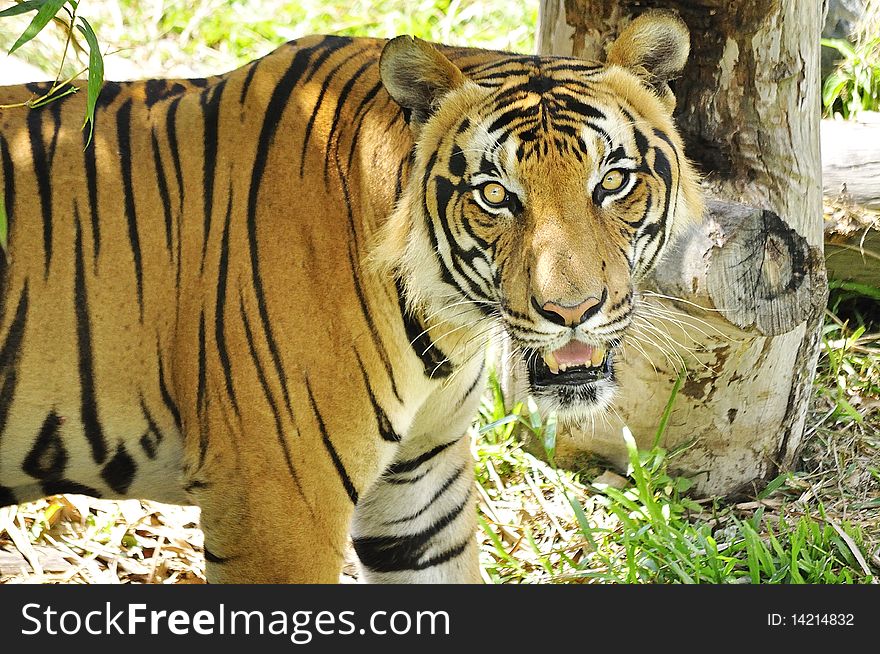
(751, 278)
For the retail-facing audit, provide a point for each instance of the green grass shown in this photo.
(648, 531)
(171, 38)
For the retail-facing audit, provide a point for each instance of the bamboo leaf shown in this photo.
(22, 8)
(45, 13)
(96, 75)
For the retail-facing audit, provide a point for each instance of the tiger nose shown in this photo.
(570, 315)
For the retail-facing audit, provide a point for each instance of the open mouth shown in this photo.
(573, 364)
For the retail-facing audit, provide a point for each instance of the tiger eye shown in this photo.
(613, 180)
(493, 193)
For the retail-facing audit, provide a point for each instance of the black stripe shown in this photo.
(334, 455)
(412, 464)
(109, 92)
(665, 137)
(7, 393)
(220, 309)
(54, 111)
(48, 457)
(325, 86)
(663, 170)
(508, 120)
(436, 496)
(399, 180)
(327, 46)
(356, 277)
(38, 88)
(210, 557)
(196, 483)
(516, 65)
(443, 192)
(7, 497)
(9, 355)
(433, 359)
(457, 161)
(152, 437)
(271, 119)
(399, 481)
(171, 131)
(393, 553)
(201, 392)
(44, 188)
(119, 471)
(571, 66)
(163, 192)
(337, 114)
(359, 115)
(472, 387)
(123, 128)
(446, 274)
(386, 429)
(168, 400)
(264, 384)
(367, 316)
(90, 155)
(211, 115)
(446, 555)
(88, 400)
(276, 414)
(8, 183)
(247, 82)
(9, 204)
(578, 107)
(68, 487)
(154, 91)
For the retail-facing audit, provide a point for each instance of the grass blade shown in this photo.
(664, 419)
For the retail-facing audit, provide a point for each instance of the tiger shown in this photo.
(269, 293)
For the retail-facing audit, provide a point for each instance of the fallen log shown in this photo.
(851, 159)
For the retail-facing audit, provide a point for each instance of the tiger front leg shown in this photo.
(417, 523)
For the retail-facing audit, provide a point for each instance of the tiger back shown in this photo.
(268, 292)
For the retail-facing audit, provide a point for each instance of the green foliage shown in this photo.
(848, 374)
(652, 531)
(96, 75)
(854, 86)
(46, 12)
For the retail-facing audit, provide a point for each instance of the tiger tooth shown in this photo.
(597, 357)
(550, 360)
(563, 367)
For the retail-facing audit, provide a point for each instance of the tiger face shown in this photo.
(542, 190)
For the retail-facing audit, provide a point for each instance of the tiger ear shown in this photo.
(655, 46)
(417, 76)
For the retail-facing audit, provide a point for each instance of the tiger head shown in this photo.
(542, 189)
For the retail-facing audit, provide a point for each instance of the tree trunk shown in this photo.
(751, 277)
